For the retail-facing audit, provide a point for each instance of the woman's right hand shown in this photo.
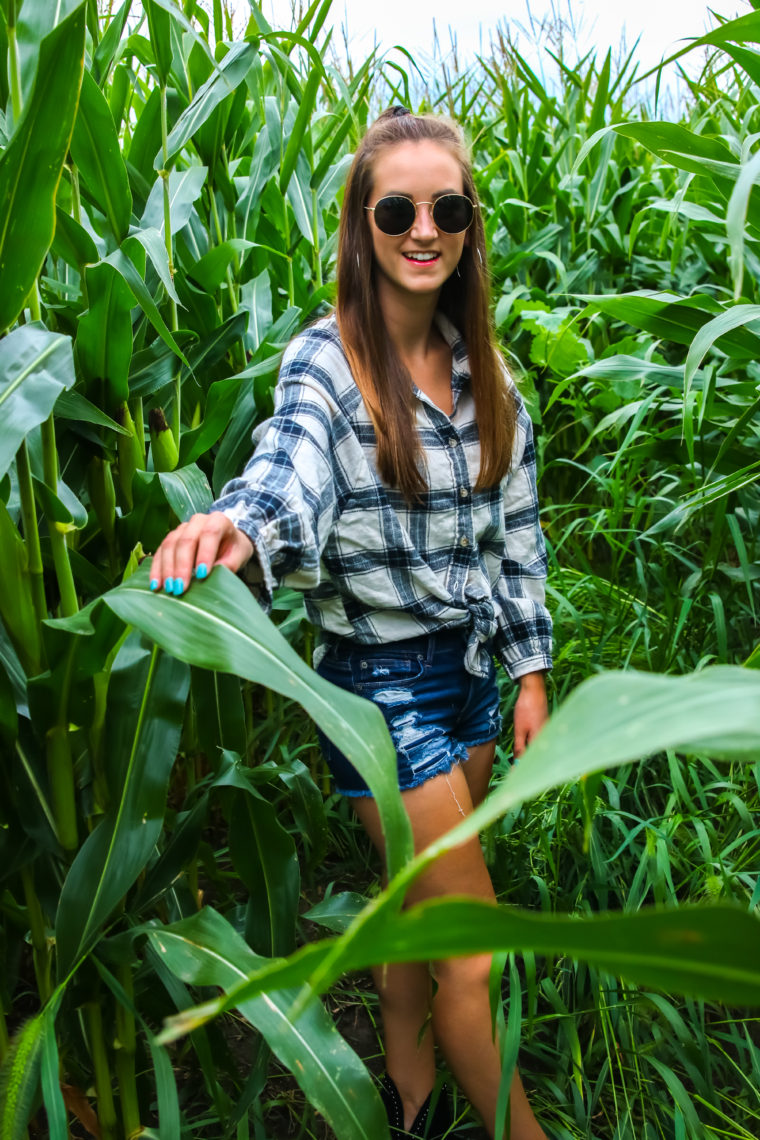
(194, 548)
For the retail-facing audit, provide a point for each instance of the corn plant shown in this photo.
(170, 201)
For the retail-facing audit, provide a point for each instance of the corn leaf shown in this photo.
(31, 165)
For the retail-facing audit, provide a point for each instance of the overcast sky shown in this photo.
(661, 24)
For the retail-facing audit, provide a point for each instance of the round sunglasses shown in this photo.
(395, 214)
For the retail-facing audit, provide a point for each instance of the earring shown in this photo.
(457, 269)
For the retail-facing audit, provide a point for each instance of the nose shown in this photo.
(424, 226)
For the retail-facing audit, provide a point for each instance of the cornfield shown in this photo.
(182, 906)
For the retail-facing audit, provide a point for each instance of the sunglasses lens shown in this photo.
(394, 215)
(453, 213)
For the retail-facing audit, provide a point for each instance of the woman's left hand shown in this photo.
(531, 710)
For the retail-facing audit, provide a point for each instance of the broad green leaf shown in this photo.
(36, 366)
(104, 337)
(736, 219)
(206, 950)
(184, 190)
(155, 247)
(74, 406)
(674, 318)
(296, 141)
(673, 138)
(264, 856)
(210, 270)
(263, 165)
(221, 399)
(146, 702)
(707, 951)
(256, 297)
(159, 23)
(222, 83)
(338, 912)
(217, 625)
(145, 139)
(609, 720)
(63, 508)
(125, 267)
(738, 316)
(745, 29)
(31, 165)
(95, 150)
(50, 1079)
(72, 242)
(108, 48)
(36, 18)
(300, 197)
(187, 491)
(211, 349)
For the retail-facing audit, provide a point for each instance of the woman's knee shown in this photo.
(471, 973)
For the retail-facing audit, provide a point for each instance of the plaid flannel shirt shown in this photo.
(371, 566)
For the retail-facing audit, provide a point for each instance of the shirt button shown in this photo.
(463, 492)
(453, 441)
(464, 540)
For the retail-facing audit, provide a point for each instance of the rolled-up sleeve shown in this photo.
(524, 636)
(285, 499)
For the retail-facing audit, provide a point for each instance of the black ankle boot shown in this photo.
(430, 1123)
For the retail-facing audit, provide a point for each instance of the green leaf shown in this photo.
(63, 509)
(674, 318)
(736, 317)
(210, 270)
(95, 150)
(264, 856)
(296, 141)
(36, 366)
(217, 625)
(256, 297)
(184, 190)
(108, 48)
(338, 912)
(146, 702)
(50, 1078)
(124, 266)
(299, 196)
(104, 336)
(74, 406)
(206, 950)
(159, 23)
(187, 491)
(736, 219)
(219, 404)
(230, 74)
(31, 165)
(72, 242)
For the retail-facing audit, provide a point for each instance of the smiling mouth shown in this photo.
(422, 258)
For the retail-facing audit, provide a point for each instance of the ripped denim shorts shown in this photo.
(435, 710)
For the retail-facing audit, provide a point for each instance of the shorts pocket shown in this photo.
(377, 671)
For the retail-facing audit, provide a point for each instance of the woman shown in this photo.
(395, 485)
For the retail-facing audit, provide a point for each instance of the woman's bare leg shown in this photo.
(461, 1009)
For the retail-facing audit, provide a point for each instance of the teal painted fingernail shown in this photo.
(169, 585)
(154, 583)
(179, 586)
(201, 570)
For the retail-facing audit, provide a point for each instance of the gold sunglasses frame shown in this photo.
(432, 205)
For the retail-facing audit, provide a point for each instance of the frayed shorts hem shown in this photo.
(442, 768)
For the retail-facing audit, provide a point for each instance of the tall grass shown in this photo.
(170, 200)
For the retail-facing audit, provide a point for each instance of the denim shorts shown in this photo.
(435, 710)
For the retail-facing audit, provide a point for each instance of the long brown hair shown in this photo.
(382, 379)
